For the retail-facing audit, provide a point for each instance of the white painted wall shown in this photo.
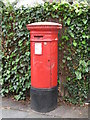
(25, 3)
(29, 3)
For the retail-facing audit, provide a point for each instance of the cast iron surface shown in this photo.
(43, 100)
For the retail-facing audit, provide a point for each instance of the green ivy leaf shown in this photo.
(11, 18)
(69, 58)
(6, 90)
(68, 21)
(20, 26)
(17, 60)
(8, 72)
(84, 21)
(17, 97)
(80, 12)
(71, 34)
(74, 43)
(27, 84)
(78, 75)
(13, 62)
(63, 60)
(84, 35)
(65, 37)
(84, 42)
(27, 53)
(8, 56)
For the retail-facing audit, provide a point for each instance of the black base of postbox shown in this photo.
(43, 100)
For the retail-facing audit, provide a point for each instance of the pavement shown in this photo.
(21, 109)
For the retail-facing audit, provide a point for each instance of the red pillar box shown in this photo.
(44, 60)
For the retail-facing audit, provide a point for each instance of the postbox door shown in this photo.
(40, 64)
(54, 62)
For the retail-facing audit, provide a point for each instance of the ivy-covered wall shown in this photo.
(73, 48)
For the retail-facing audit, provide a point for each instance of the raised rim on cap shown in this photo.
(45, 23)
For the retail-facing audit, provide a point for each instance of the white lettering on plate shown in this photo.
(38, 48)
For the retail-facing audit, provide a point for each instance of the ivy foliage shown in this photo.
(73, 43)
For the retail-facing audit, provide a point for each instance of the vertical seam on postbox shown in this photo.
(50, 68)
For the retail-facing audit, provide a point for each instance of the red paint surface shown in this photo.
(44, 66)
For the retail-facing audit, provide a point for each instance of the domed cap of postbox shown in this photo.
(44, 26)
